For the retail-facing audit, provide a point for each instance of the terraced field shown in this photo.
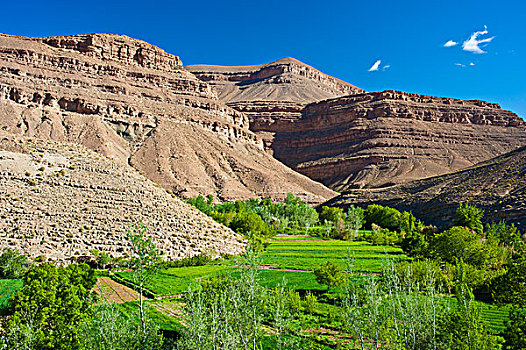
(290, 257)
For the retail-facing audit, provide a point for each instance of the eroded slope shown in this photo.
(62, 200)
(119, 96)
(498, 186)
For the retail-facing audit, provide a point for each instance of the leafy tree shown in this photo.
(330, 214)
(503, 233)
(511, 286)
(226, 316)
(464, 328)
(515, 333)
(102, 258)
(144, 261)
(109, 329)
(12, 263)
(329, 274)
(415, 244)
(469, 216)
(354, 219)
(52, 304)
(385, 217)
(459, 242)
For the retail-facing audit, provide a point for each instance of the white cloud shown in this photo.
(450, 43)
(375, 66)
(387, 66)
(472, 64)
(460, 64)
(472, 44)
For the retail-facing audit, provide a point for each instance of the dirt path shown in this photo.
(114, 292)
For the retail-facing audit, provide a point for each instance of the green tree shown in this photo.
(144, 262)
(511, 286)
(515, 333)
(51, 306)
(469, 216)
(385, 217)
(503, 233)
(354, 219)
(459, 242)
(330, 274)
(12, 263)
(464, 328)
(330, 214)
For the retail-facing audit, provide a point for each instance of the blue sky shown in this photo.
(341, 38)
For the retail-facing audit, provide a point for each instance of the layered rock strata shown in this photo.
(62, 200)
(126, 99)
(345, 138)
(498, 186)
(384, 138)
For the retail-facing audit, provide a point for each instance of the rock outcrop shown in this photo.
(284, 80)
(384, 138)
(134, 103)
(345, 138)
(272, 93)
(498, 186)
(62, 200)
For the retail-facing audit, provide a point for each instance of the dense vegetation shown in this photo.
(362, 279)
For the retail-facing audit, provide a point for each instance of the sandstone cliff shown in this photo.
(498, 186)
(384, 138)
(345, 138)
(136, 104)
(62, 200)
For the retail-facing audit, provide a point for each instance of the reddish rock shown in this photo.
(134, 103)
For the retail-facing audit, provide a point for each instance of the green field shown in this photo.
(312, 253)
(281, 254)
(7, 288)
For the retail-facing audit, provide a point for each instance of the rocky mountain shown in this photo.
(62, 200)
(286, 79)
(135, 104)
(272, 92)
(498, 186)
(362, 139)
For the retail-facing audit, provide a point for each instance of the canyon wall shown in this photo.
(134, 103)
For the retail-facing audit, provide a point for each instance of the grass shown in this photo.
(131, 310)
(176, 280)
(7, 288)
(284, 253)
(311, 254)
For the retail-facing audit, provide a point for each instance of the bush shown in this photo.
(12, 264)
(385, 217)
(469, 216)
(329, 274)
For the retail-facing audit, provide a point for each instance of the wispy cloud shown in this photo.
(460, 64)
(472, 44)
(387, 66)
(450, 43)
(375, 66)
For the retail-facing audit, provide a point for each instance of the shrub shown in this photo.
(469, 216)
(329, 274)
(382, 216)
(12, 263)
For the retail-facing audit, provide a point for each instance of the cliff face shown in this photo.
(378, 139)
(497, 185)
(272, 94)
(384, 138)
(345, 138)
(135, 103)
